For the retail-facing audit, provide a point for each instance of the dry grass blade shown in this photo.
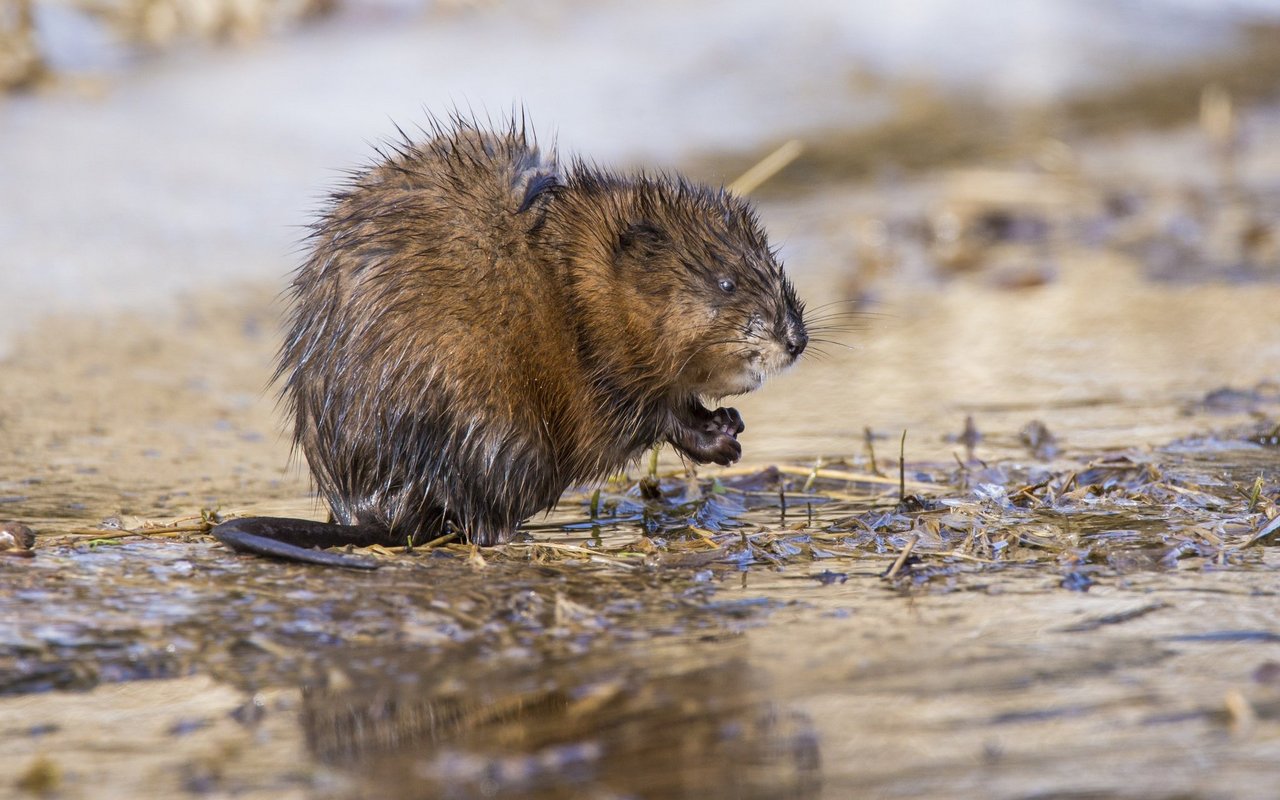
(902, 557)
(1270, 528)
(767, 167)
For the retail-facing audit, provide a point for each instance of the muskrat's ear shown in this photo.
(537, 185)
(641, 238)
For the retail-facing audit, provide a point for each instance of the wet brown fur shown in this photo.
(476, 329)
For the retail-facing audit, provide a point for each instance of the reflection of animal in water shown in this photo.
(478, 328)
(591, 730)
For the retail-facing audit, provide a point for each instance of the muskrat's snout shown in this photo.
(775, 344)
(794, 337)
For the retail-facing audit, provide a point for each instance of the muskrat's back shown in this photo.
(475, 330)
(420, 347)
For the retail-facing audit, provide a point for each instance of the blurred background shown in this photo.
(151, 146)
(1051, 204)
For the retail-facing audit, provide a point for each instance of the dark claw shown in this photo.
(729, 420)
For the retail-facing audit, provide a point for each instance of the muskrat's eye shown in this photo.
(727, 285)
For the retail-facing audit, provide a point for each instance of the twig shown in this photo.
(830, 474)
(902, 557)
(766, 168)
(902, 467)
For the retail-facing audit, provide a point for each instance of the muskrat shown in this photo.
(477, 328)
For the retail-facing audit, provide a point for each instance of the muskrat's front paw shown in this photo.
(718, 448)
(728, 421)
(711, 445)
(724, 450)
(709, 436)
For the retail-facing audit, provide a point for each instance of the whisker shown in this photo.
(837, 314)
(859, 316)
(705, 345)
(833, 342)
(859, 320)
(822, 348)
(831, 303)
(838, 326)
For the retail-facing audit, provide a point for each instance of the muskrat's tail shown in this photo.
(294, 540)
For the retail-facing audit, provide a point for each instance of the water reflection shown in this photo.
(676, 720)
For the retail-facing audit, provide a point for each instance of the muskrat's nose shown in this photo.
(797, 338)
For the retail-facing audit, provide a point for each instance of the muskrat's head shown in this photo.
(722, 308)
